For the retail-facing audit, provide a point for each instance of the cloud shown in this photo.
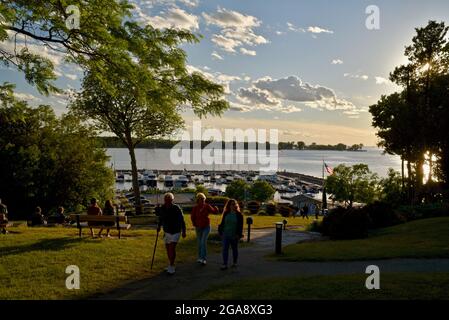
(381, 80)
(247, 52)
(173, 17)
(278, 94)
(356, 76)
(337, 61)
(226, 44)
(319, 30)
(71, 76)
(26, 96)
(257, 96)
(216, 56)
(218, 77)
(237, 30)
(293, 28)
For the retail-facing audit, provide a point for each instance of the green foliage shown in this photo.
(201, 189)
(346, 223)
(392, 192)
(48, 161)
(414, 122)
(261, 191)
(237, 189)
(382, 215)
(353, 184)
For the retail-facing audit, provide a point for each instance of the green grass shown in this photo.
(427, 238)
(416, 286)
(33, 260)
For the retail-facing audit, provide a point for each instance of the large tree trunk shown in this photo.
(136, 188)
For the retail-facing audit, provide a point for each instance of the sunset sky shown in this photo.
(308, 68)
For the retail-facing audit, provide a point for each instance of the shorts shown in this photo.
(171, 237)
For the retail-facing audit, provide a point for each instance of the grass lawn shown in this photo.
(427, 238)
(33, 260)
(418, 286)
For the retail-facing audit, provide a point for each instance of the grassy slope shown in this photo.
(427, 286)
(33, 260)
(419, 239)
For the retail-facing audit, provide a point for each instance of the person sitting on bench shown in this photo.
(37, 219)
(94, 210)
(107, 211)
(4, 219)
(60, 217)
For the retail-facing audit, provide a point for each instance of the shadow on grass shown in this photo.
(42, 245)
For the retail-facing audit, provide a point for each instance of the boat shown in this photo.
(181, 182)
(168, 181)
(150, 179)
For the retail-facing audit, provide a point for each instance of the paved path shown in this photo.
(191, 279)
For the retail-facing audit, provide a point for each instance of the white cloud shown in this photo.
(247, 52)
(337, 61)
(381, 80)
(174, 17)
(236, 29)
(226, 44)
(26, 96)
(218, 77)
(293, 28)
(277, 94)
(356, 76)
(319, 30)
(216, 56)
(71, 76)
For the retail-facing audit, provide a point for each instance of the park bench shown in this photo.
(3, 222)
(82, 221)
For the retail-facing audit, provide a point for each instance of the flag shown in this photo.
(329, 169)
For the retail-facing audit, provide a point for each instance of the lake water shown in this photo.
(307, 162)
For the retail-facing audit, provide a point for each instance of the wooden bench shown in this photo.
(82, 221)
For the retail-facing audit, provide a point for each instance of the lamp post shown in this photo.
(279, 226)
(249, 222)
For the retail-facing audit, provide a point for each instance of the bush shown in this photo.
(424, 211)
(382, 215)
(285, 211)
(271, 209)
(346, 223)
(218, 201)
(253, 207)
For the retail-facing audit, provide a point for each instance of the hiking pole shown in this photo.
(155, 246)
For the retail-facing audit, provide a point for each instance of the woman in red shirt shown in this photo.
(201, 222)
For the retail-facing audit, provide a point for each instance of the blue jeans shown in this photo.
(201, 237)
(233, 243)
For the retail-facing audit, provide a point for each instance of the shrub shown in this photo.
(346, 223)
(285, 211)
(271, 209)
(382, 215)
(424, 211)
(253, 207)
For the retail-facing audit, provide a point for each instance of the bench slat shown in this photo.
(92, 218)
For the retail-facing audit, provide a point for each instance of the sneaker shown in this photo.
(204, 262)
(223, 267)
(200, 261)
(171, 270)
(234, 265)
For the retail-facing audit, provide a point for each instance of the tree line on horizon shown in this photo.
(114, 142)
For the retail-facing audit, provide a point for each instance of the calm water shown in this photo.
(306, 162)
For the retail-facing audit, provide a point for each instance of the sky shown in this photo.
(310, 69)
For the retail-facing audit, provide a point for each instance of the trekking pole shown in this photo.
(154, 250)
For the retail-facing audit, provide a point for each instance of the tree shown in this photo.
(353, 184)
(300, 145)
(392, 192)
(105, 30)
(261, 191)
(47, 161)
(147, 104)
(237, 189)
